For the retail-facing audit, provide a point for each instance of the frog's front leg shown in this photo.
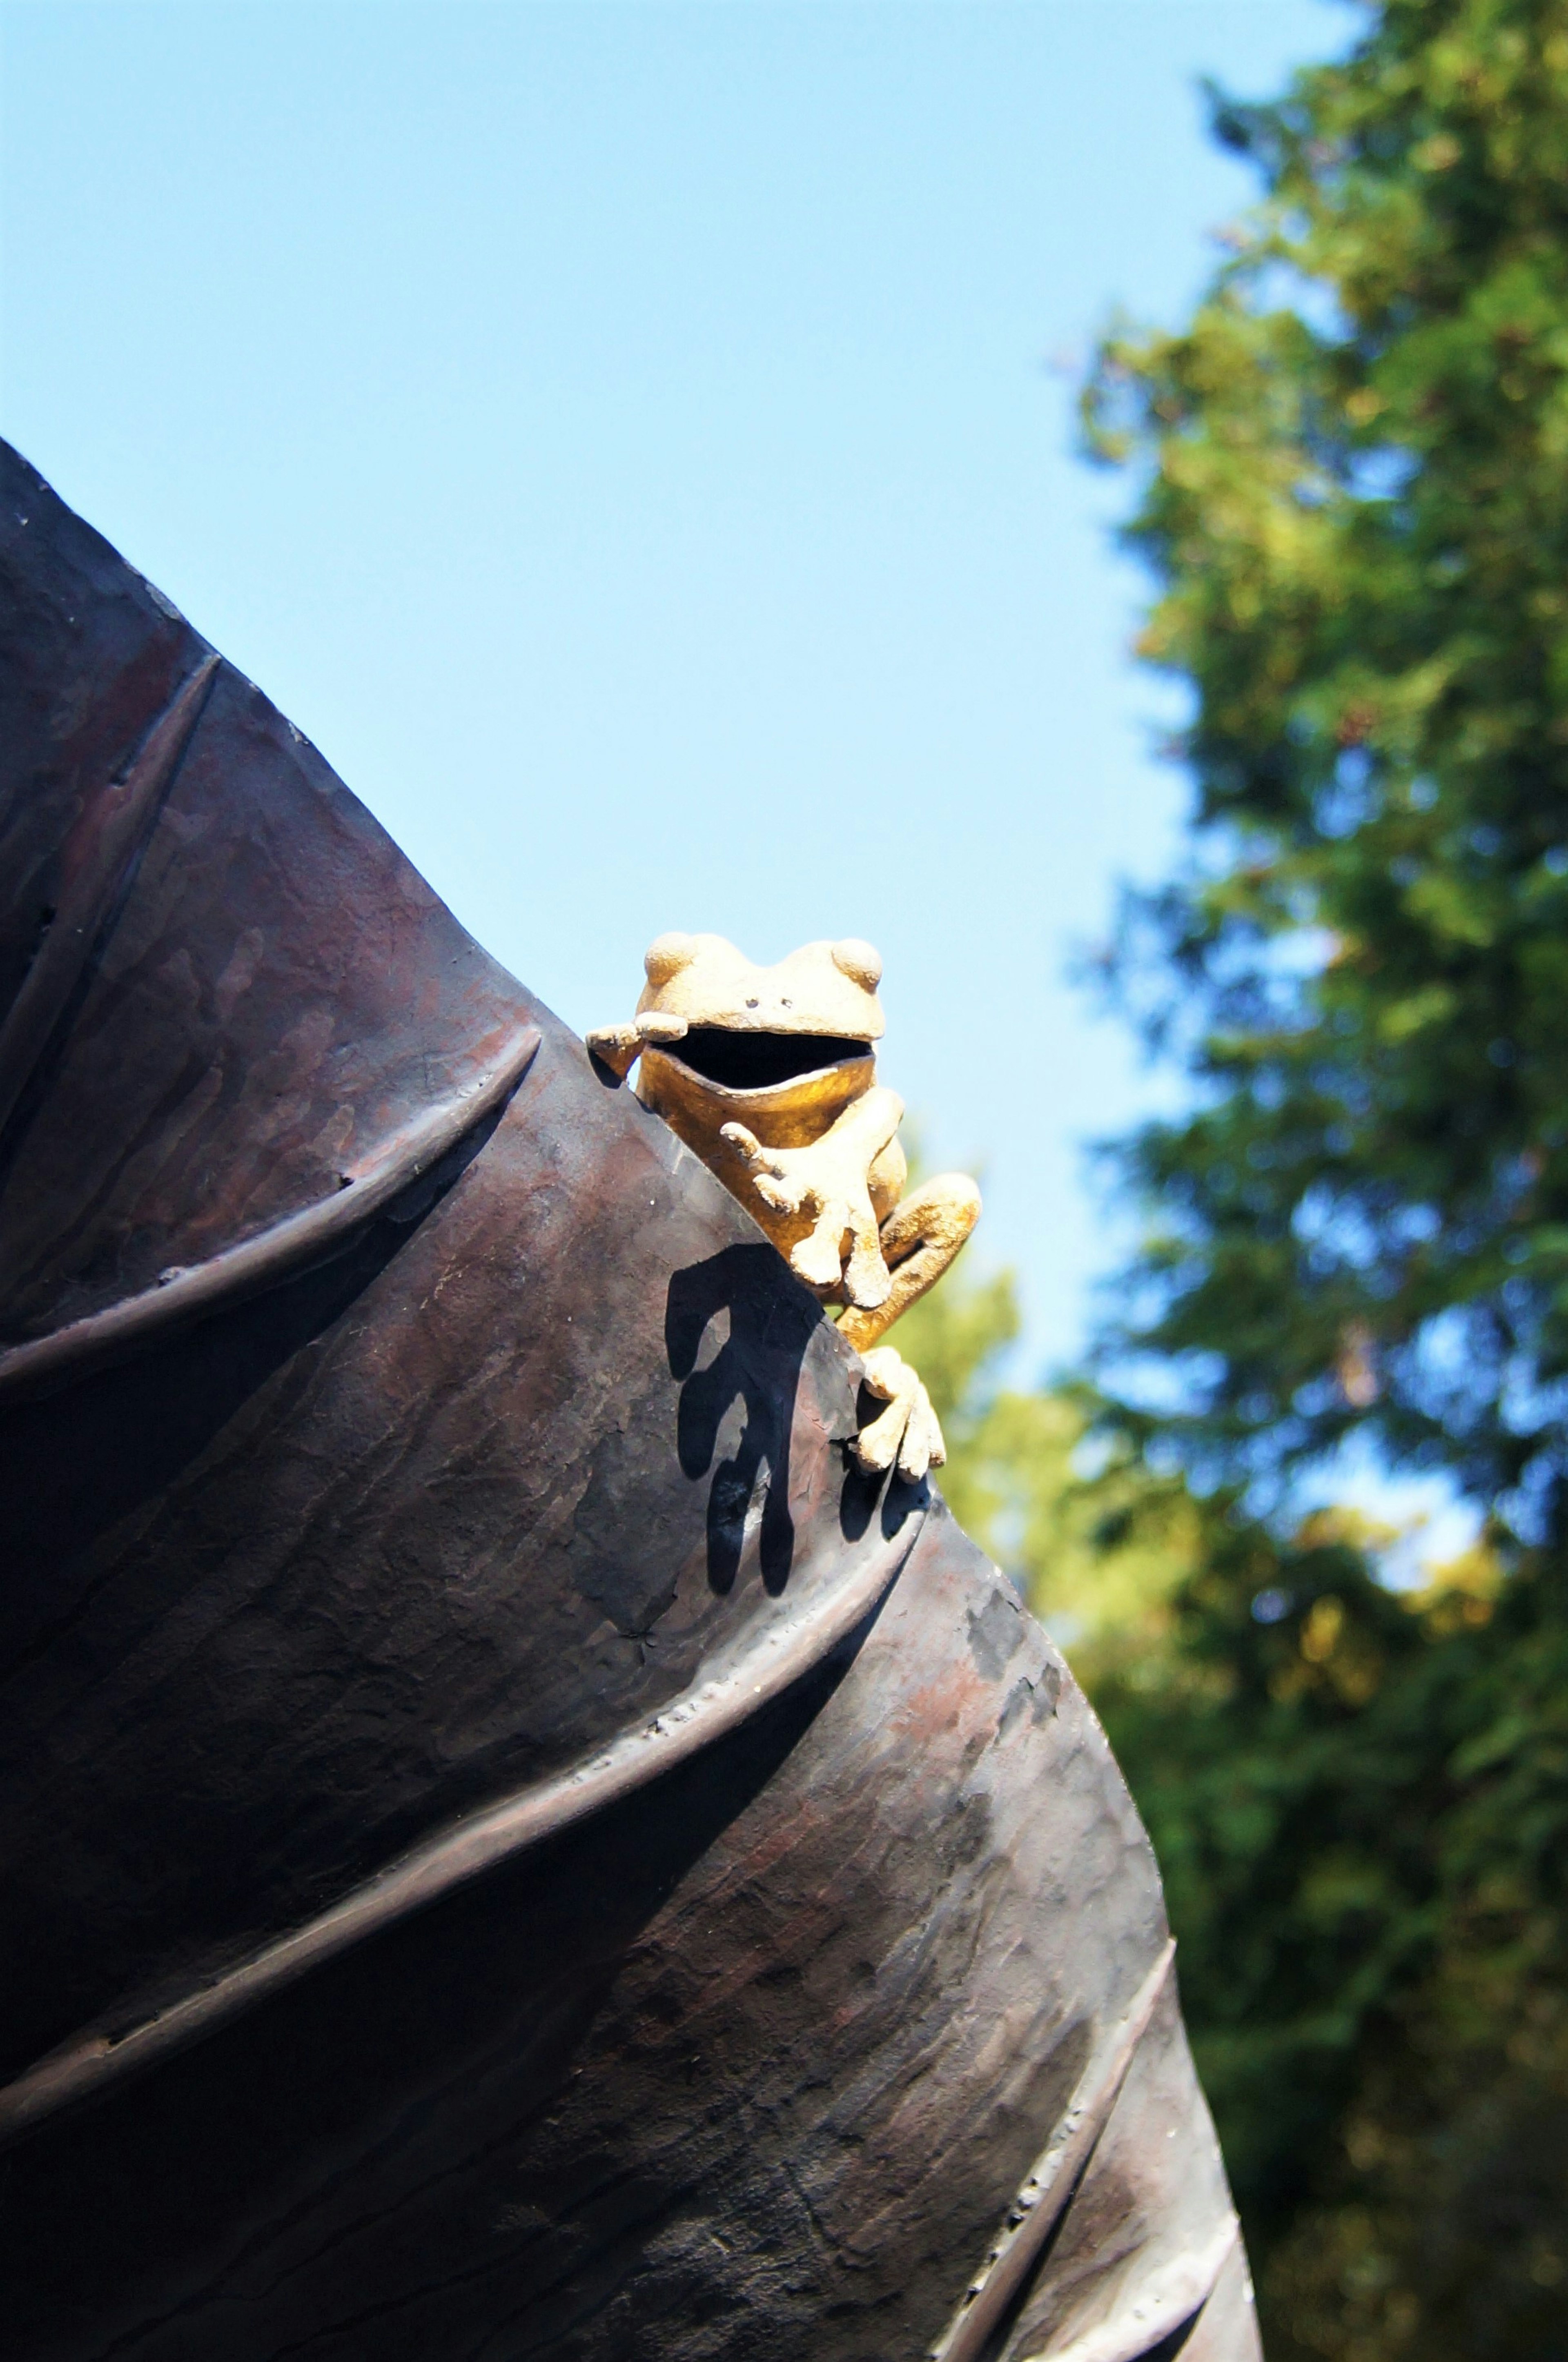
(919, 1240)
(828, 1184)
(620, 1046)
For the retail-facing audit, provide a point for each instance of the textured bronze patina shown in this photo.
(511, 1844)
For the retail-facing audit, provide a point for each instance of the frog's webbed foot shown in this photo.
(909, 1429)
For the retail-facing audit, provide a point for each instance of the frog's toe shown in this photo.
(751, 1148)
(816, 1260)
(782, 1196)
(867, 1281)
(914, 1450)
(922, 1447)
(885, 1371)
(876, 1446)
(879, 1441)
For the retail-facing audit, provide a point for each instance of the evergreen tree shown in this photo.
(1351, 470)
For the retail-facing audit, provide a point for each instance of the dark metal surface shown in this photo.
(508, 1845)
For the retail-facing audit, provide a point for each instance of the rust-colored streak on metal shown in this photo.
(366, 1187)
(98, 864)
(508, 1840)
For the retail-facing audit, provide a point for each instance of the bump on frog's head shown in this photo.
(818, 1007)
(858, 961)
(823, 989)
(667, 954)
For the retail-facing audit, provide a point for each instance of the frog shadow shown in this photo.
(771, 1322)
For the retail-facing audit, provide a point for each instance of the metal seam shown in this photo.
(1045, 2190)
(115, 831)
(720, 1703)
(1179, 2295)
(275, 1253)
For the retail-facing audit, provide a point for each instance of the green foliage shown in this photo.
(1360, 1806)
(1351, 487)
(1352, 470)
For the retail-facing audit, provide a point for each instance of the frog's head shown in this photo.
(744, 1028)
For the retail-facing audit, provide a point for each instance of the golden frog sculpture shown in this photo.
(769, 1076)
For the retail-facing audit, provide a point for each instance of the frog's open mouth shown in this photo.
(757, 1062)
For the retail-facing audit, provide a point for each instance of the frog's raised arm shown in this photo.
(620, 1046)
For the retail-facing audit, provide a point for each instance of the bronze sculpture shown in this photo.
(510, 1843)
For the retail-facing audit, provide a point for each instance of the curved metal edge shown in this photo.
(87, 2065)
(275, 1253)
(114, 829)
(1176, 2295)
(1050, 2183)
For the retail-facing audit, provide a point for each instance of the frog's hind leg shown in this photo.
(919, 1240)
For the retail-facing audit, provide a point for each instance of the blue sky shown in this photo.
(636, 443)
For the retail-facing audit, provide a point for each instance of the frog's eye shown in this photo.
(859, 962)
(667, 955)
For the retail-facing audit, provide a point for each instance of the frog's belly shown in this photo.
(785, 1115)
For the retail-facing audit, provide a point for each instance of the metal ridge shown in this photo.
(90, 2062)
(108, 840)
(275, 1253)
(1175, 2294)
(1048, 2187)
